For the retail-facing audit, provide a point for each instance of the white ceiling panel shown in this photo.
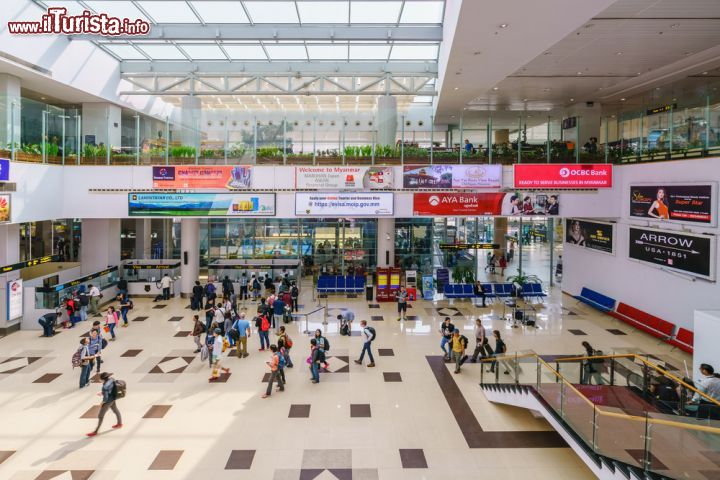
(245, 52)
(162, 51)
(220, 11)
(414, 52)
(124, 51)
(116, 9)
(375, 12)
(203, 52)
(369, 52)
(324, 12)
(328, 52)
(422, 12)
(169, 11)
(272, 12)
(286, 52)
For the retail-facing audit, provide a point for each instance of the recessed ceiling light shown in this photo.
(657, 88)
(503, 25)
(579, 73)
(705, 73)
(546, 89)
(618, 53)
(674, 100)
(529, 116)
(43, 98)
(452, 116)
(572, 99)
(612, 116)
(622, 99)
(456, 88)
(496, 88)
(687, 54)
(638, 73)
(675, 25)
(524, 99)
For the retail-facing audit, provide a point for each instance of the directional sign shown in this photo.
(29, 263)
(469, 246)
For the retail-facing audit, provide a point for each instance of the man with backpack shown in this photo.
(263, 325)
(210, 294)
(323, 346)
(227, 287)
(446, 332)
(111, 390)
(345, 320)
(198, 330)
(368, 334)
(276, 373)
(84, 299)
(255, 283)
(197, 296)
(82, 358)
(458, 345)
(592, 367)
(269, 285)
(294, 294)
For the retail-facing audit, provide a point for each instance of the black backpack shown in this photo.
(119, 389)
(372, 331)
(597, 353)
(294, 292)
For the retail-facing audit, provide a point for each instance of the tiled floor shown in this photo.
(407, 418)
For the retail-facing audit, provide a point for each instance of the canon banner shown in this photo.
(679, 203)
(591, 235)
(568, 175)
(682, 252)
(379, 204)
(452, 176)
(344, 177)
(476, 204)
(201, 204)
(215, 177)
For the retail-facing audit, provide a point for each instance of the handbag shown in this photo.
(106, 329)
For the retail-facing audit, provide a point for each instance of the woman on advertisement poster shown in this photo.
(659, 209)
(575, 235)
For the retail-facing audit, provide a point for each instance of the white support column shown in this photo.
(9, 110)
(190, 111)
(9, 254)
(386, 120)
(100, 246)
(386, 242)
(189, 254)
(143, 238)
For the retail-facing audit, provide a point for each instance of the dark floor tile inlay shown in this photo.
(157, 411)
(131, 353)
(392, 376)
(92, 412)
(183, 333)
(360, 410)
(469, 425)
(386, 352)
(5, 454)
(373, 305)
(413, 458)
(139, 319)
(577, 332)
(74, 474)
(47, 378)
(240, 460)
(377, 318)
(615, 331)
(174, 319)
(166, 460)
(158, 307)
(299, 411)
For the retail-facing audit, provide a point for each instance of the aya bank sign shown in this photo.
(571, 175)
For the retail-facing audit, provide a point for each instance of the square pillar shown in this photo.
(100, 246)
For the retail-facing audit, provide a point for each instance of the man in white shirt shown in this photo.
(165, 283)
(368, 335)
(94, 299)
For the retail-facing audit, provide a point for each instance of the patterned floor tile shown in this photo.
(157, 411)
(166, 460)
(577, 332)
(139, 319)
(392, 377)
(131, 353)
(240, 460)
(386, 352)
(615, 331)
(377, 318)
(47, 378)
(175, 319)
(299, 411)
(182, 333)
(413, 458)
(360, 410)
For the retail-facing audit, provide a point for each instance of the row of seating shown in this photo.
(492, 290)
(340, 284)
(655, 326)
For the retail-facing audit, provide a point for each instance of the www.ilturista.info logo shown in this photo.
(57, 22)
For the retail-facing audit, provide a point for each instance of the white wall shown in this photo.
(707, 326)
(669, 296)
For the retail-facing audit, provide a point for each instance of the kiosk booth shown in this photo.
(388, 283)
(143, 276)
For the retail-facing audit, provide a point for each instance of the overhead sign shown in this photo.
(230, 177)
(343, 178)
(151, 266)
(681, 203)
(62, 286)
(663, 109)
(201, 204)
(477, 204)
(452, 176)
(570, 122)
(681, 252)
(591, 235)
(4, 170)
(5, 212)
(559, 175)
(377, 204)
(29, 263)
(469, 246)
(14, 299)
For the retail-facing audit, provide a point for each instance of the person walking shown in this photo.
(314, 360)
(227, 287)
(95, 345)
(243, 282)
(269, 286)
(165, 283)
(478, 291)
(284, 344)
(197, 296)
(481, 341)
(197, 331)
(243, 328)
(458, 345)
(402, 297)
(263, 325)
(109, 393)
(87, 362)
(215, 355)
(294, 294)
(111, 320)
(255, 284)
(368, 334)
(209, 315)
(275, 371)
(446, 332)
(500, 350)
(324, 346)
(345, 320)
(84, 302)
(94, 299)
(592, 368)
(502, 264)
(122, 286)
(278, 308)
(125, 306)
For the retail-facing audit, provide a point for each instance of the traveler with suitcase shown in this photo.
(482, 347)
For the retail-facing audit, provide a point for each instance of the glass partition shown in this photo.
(52, 297)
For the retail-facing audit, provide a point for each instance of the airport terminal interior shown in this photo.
(359, 239)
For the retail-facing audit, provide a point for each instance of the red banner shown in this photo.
(567, 175)
(471, 204)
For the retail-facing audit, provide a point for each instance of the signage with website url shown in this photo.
(29, 263)
(469, 246)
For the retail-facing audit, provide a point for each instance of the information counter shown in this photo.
(233, 269)
(143, 276)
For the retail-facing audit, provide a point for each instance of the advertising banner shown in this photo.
(569, 175)
(14, 299)
(476, 204)
(691, 203)
(217, 177)
(452, 176)
(201, 204)
(592, 235)
(379, 204)
(681, 252)
(5, 213)
(343, 177)
(4, 170)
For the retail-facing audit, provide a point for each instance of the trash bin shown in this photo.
(369, 293)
